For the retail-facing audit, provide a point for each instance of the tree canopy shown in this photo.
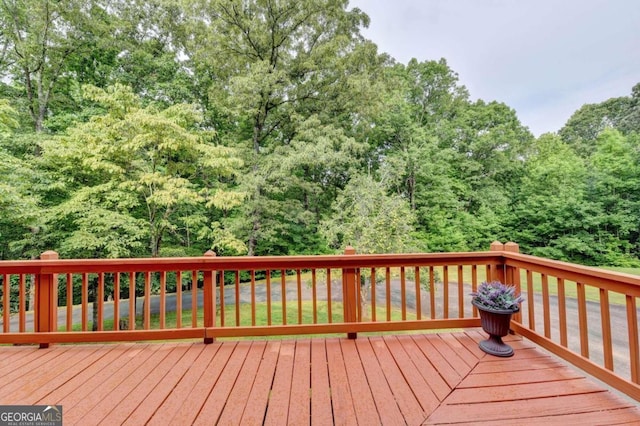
(149, 128)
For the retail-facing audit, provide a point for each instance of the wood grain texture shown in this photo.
(373, 380)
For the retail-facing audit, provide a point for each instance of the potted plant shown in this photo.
(496, 302)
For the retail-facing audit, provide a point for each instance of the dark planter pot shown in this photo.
(496, 324)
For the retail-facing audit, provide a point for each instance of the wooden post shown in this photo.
(512, 247)
(513, 275)
(46, 315)
(349, 288)
(209, 298)
(497, 272)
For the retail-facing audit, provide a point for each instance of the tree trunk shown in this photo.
(253, 237)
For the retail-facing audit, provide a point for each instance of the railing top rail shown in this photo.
(601, 278)
(246, 262)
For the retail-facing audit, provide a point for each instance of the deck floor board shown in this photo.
(406, 399)
(386, 380)
(364, 404)
(386, 404)
(173, 403)
(300, 401)
(95, 408)
(259, 397)
(238, 398)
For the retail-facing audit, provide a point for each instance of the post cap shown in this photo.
(512, 247)
(49, 255)
(497, 246)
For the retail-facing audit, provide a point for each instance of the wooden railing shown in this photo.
(587, 316)
(184, 298)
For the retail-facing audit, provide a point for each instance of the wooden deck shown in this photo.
(393, 379)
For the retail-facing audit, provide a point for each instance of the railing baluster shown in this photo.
(132, 301)
(403, 293)
(516, 282)
(388, 295)
(545, 305)
(179, 299)
(562, 313)
(582, 320)
(634, 349)
(222, 299)
(253, 297)
(474, 286)
(194, 298)
(445, 291)
(460, 292)
(237, 294)
(299, 283)
(6, 306)
(268, 297)
(531, 300)
(85, 300)
(605, 320)
(329, 303)
(116, 301)
(314, 295)
(283, 295)
(163, 300)
(418, 294)
(432, 292)
(23, 304)
(147, 301)
(100, 301)
(358, 290)
(373, 294)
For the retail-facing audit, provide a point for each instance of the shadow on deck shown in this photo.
(393, 379)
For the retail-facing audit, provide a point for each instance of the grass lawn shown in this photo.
(261, 316)
(632, 271)
(592, 294)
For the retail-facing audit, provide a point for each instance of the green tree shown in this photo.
(614, 188)
(420, 101)
(491, 147)
(8, 118)
(631, 120)
(553, 217)
(585, 125)
(366, 217)
(134, 173)
(149, 55)
(271, 67)
(18, 203)
(41, 38)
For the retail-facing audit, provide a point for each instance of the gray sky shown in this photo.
(543, 58)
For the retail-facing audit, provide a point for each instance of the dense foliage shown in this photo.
(147, 128)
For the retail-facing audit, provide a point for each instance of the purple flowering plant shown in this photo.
(497, 296)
